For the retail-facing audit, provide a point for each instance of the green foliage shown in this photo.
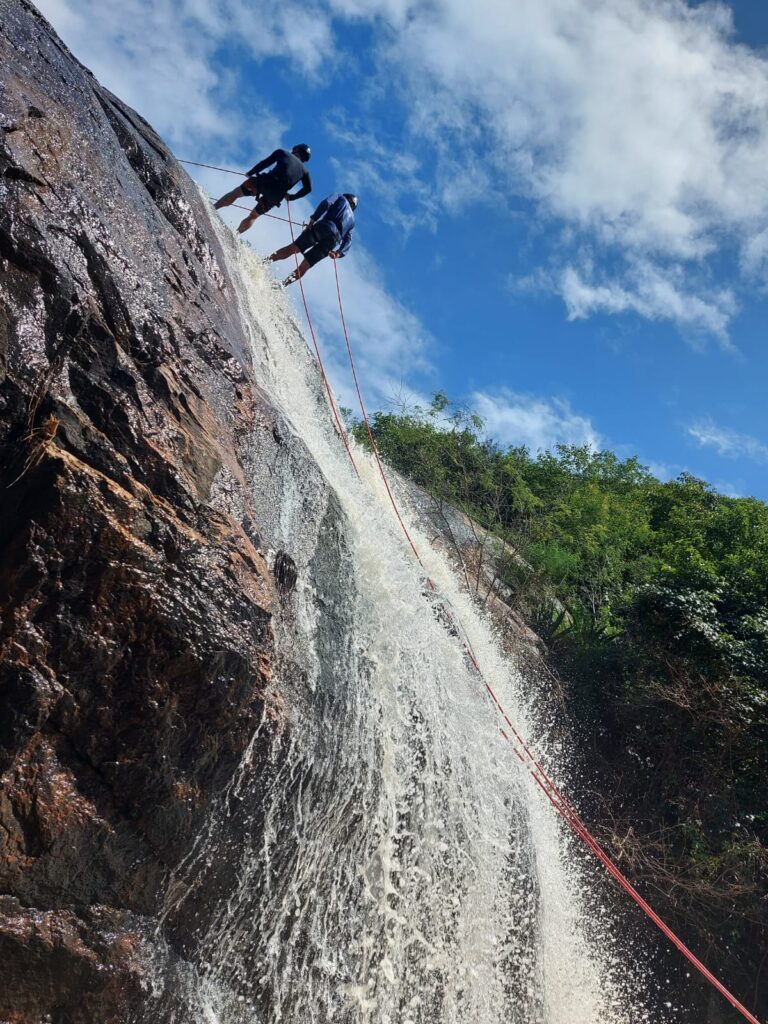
(653, 599)
(673, 566)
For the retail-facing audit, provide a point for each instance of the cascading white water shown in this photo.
(396, 865)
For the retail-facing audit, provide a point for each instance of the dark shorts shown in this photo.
(263, 190)
(316, 242)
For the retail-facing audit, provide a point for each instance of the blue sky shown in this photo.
(564, 203)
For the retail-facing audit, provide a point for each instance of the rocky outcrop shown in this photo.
(136, 602)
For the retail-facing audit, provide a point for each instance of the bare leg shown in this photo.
(300, 271)
(284, 253)
(252, 217)
(229, 198)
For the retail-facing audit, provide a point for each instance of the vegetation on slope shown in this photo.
(652, 598)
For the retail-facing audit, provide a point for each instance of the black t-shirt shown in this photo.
(288, 170)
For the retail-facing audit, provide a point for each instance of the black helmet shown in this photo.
(302, 151)
(351, 199)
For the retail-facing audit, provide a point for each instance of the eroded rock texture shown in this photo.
(135, 600)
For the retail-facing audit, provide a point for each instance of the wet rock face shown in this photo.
(135, 605)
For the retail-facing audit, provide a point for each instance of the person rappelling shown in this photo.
(270, 188)
(328, 233)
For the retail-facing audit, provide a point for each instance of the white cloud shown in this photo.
(649, 292)
(664, 470)
(405, 196)
(539, 423)
(755, 256)
(729, 489)
(638, 118)
(730, 443)
(163, 58)
(640, 124)
(390, 345)
(638, 127)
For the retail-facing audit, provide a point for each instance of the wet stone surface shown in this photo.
(136, 602)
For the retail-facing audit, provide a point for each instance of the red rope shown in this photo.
(374, 449)
(540, 776)
(336, 416)
(287, 220)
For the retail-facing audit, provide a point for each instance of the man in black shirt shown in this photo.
(271, 188)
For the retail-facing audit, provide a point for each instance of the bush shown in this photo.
(653, 600)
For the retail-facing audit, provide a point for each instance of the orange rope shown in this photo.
(538, 773)
(374, 449)
(540, 776)
(331, 401)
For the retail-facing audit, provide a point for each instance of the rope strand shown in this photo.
(371, 438)
(342, 432)
(213, 167)
(518, 745)
(526, 757)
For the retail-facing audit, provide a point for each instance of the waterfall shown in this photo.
(394, 863)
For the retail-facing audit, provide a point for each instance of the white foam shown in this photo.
(407, 869)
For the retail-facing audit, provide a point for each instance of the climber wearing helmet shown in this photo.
(271, 188)
(328, 234)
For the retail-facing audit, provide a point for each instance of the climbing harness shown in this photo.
(510, 733)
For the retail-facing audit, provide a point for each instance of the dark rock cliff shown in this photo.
(136, 603)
